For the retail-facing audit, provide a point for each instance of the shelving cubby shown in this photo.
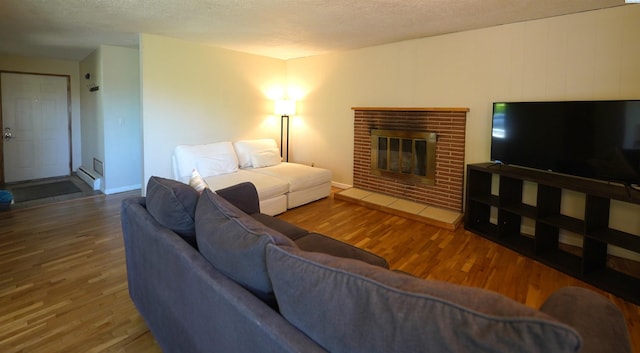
(588, 263)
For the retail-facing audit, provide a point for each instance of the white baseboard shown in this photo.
(122, 189)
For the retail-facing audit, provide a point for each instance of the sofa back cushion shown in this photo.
(264, 152)
(209, 159)
(173, 205)
(235, 243)
(347, 306)
(266, 158)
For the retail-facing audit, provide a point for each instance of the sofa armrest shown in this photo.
(290, 230)
(244, 196)
(315, 242)
(599, 322)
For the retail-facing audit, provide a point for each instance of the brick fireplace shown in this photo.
(449, 125)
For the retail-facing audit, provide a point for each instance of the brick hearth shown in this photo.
(448, 123)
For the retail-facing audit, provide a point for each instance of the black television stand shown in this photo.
(498, 217)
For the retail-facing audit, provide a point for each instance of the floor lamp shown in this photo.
(284, 108)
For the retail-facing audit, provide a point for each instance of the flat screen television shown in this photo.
(592, 139)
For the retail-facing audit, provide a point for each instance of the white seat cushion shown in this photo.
(298, 176)
(266, 185)
(304, 196)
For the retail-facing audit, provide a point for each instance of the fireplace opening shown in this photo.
(404, 154)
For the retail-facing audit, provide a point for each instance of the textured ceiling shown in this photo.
(285, 29)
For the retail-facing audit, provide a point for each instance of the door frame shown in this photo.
(68, 77)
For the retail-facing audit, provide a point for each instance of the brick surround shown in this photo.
(448, 123)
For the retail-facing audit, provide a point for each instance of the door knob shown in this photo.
(7, 134)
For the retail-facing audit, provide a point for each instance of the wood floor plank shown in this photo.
(63, 284)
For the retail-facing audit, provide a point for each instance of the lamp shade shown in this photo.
(285, 107)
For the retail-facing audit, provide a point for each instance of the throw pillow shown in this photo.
(197, 182)
(234, 243)
(173, 205)
(266, 158)
(350, 306)
(245, 148)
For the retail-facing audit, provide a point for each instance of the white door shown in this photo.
(35, 124)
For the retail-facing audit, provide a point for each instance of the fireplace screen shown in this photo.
(404, 154)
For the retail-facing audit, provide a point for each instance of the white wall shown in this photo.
(111, 126)
(591, 55)
(120, 90)
(56, 67)
(92, 112)
(193, 94)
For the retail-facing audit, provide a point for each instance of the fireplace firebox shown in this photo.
(404, 154)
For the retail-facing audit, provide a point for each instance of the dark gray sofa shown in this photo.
(209, 273)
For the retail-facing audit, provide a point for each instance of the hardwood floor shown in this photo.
(63, 281)
(63, 284)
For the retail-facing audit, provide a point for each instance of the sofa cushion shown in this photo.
(234, 243)
(197, 182)
(266, 158)
(173, 205)
(247, 148)
(217, 164)
(210, 159)
(348, 306)
(298, 176)
(267, 186)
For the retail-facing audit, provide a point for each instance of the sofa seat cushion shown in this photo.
(347, 306)
(267, 186)
(234, 243)
(298, 176)
(173, 205)
(321, 243)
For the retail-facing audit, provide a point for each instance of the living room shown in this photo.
(229, 95)
(192, 93)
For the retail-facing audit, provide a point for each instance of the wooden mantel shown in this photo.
(400, 109)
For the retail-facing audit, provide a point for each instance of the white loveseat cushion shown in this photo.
(299, 176)
(267, 186)
(246, 149)
(209, 159)
(266, 158)
(271, 191)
